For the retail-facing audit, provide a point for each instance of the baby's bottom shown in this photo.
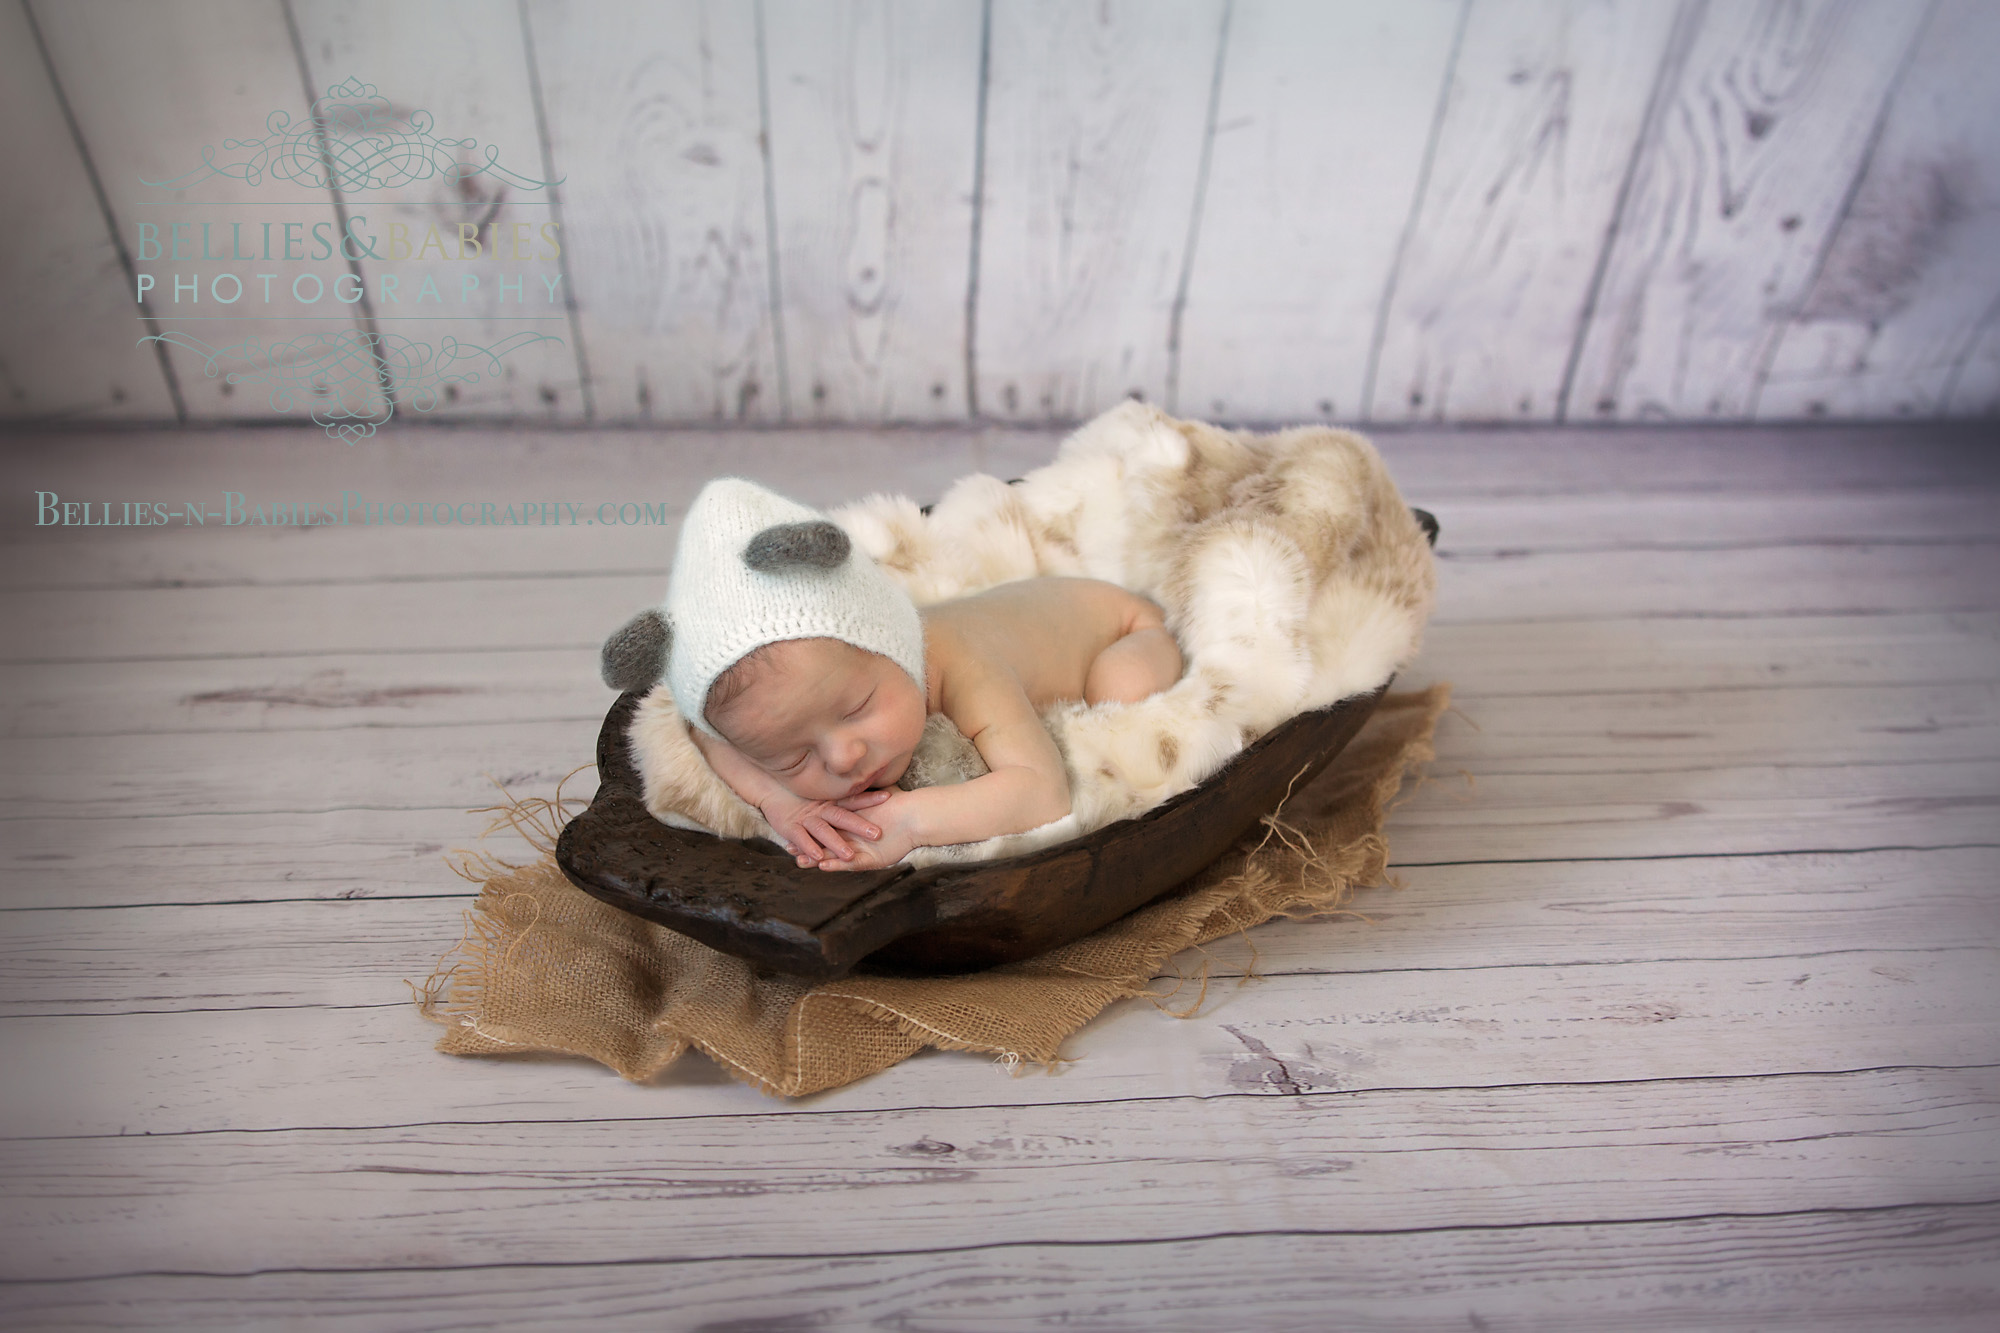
(1144, 662)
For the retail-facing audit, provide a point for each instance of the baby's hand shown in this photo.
(889, 844)
(810, 830)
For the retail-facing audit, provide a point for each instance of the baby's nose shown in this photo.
(848, 754)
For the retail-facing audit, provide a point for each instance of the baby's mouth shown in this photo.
(883, 777)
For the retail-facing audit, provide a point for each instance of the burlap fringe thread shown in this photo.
(543, 966)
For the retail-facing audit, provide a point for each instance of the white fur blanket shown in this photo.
(1291, 572)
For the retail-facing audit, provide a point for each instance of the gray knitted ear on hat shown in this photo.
(634, 658)
(815, 542)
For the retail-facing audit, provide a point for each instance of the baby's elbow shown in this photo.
(1054, 803)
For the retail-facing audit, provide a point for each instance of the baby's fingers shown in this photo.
(811, 840)
(800, 844)
(853, 823)
(827, 837)
(862, 800)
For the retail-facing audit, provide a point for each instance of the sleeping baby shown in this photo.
(807, 676)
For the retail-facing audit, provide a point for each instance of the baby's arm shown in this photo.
(1026, 787)
(809, 829)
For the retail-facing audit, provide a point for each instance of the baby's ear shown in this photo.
(635, 657)
(817, 542)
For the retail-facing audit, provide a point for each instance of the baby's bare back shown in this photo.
(1043, 632)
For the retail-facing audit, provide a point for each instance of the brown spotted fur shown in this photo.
(1290, 569)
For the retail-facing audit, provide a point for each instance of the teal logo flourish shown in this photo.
(344, 371)
(354, 141)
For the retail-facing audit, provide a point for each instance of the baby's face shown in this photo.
(826, 719)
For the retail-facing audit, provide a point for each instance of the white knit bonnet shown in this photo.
(754, 568)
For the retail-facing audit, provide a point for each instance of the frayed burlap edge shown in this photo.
(542, 966)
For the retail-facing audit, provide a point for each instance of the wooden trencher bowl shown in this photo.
(751, 899)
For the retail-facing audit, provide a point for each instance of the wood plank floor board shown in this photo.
(562, 544)
(1804, 724)
(1849, 1272)
(1473, 526)
(356, 852)
(304, 771)
(288, 1068)
(1721, 460)
(93, 855)
(1657, 459)
(447, 1196)
(150, 959)
(1697, 812)
(327, 692)
(514, 613)
(820, 463)
(1640, 731)
(1683, 1018)
(337, 691)
(1580, 657)
(1733, 583)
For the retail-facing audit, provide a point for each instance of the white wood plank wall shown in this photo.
(1021, 210)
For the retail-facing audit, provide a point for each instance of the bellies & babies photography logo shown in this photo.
(208, 263)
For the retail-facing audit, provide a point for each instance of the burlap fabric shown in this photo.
(545, 967)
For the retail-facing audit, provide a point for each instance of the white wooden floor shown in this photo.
(1685, 1016)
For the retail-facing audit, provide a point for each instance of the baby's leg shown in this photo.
(1144, 662)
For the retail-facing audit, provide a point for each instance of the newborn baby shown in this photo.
(806, 676)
